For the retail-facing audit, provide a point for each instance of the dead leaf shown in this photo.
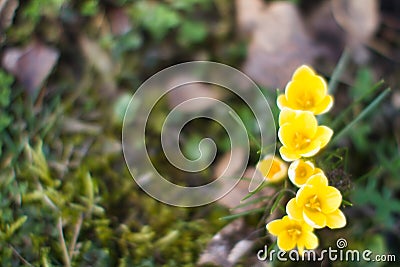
(31, 65)
(360, 18)
(247, 14)
(119, 21)
(228, 245)
(102, 63)
(197, 92)
(7, 12)
(278, 46)
(241, 190)
(72, 125)
(230, 163)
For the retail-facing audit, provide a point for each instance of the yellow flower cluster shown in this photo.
(316, 204)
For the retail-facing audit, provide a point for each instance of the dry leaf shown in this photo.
(31, 65)
(7, 12)
(72, 125)
(241, 190)
(101, 61)
(360, 18)
(230, 163)
(228, 245)
(248, 13)
(192, 91)
(119, 21)
(278, 46)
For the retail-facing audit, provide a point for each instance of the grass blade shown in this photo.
(364, 113)
(234, 216)
(337, 73)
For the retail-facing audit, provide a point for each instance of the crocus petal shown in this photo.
(312, 149)
(293, 211)
(286, 134)
(282, 102)
(335, 219)
(302, 73)
(315, 219)
(318, 180)
(288, 155)
(285, 241)
(310, 240)
(275, 227)
(305, 193)
(330, 199)
(324, 135)
(306, 123)
(324, 106)
(300, 247)
(286, 115)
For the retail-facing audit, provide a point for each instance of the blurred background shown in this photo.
(68, 70)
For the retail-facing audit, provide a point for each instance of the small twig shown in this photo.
(77, 230)
(67, 260)
(16, 253)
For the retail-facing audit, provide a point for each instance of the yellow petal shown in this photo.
(305, 227)
(335, 219)
(312, 149)
(314, 218)
(294, 212)
(324, 106)
(286, 134)
(275, 227)
(310, 240)
(299, 172)
(318, 180)
(282, 102)
(286, 115)
(285, 241)
(305, 193)
(324, 135)
(330, 199)
(288, 155)
(300, 247)
(306, 123)
(303, 72)
(317, 171)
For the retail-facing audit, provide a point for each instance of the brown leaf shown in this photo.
(278, 46)
(228, 245)
(241, 190)
(230, 163)
(192, 91)
(360, 18)
(101, 62)
(247, 14)
(31, 65)
(7, 12)
(119, 21)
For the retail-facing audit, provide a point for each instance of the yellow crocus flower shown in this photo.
(300, 134)
(317, 204)
(291, 233)
(272, 168)
(306, 91)
(300, 170)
